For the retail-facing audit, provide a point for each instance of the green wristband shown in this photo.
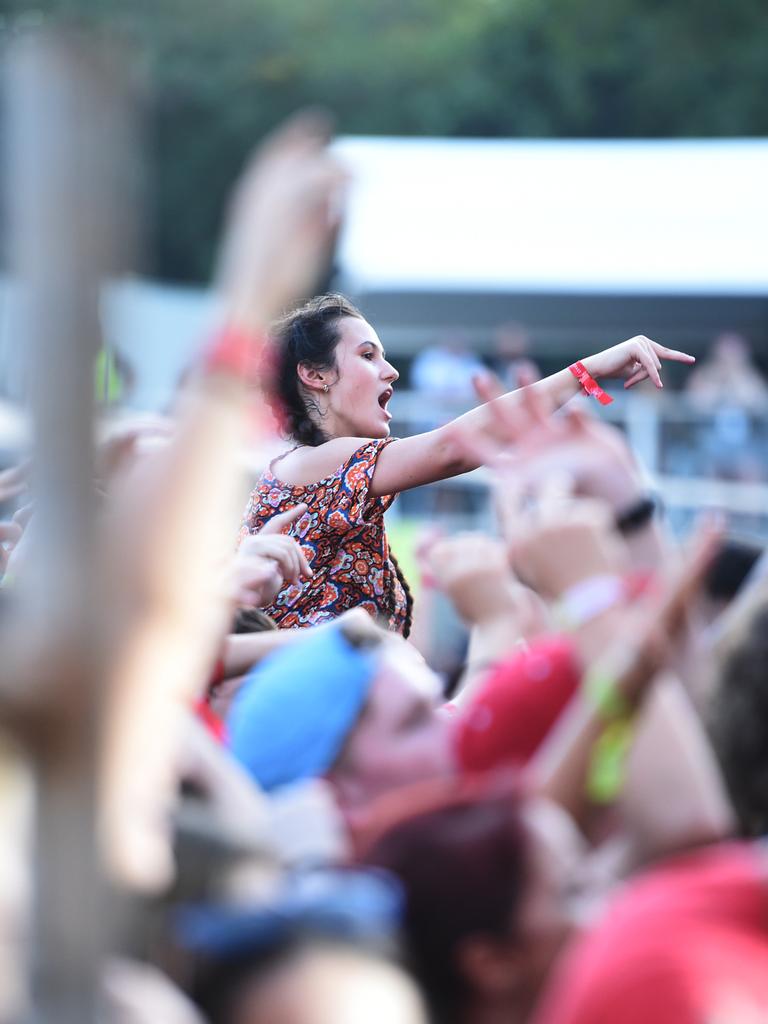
(607, 769)
(600, 690)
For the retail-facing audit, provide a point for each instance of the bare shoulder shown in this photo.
(306, 465)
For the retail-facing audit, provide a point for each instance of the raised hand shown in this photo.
(643, 650)
(528, 444)
(560, 540)
(123, 440)
(629, 661)
(636, 359)
(13, 481)
(471, 569)
(279, 523)
(267, 561)
(283, 216)
(10, 535)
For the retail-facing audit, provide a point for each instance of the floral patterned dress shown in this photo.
(343, 538)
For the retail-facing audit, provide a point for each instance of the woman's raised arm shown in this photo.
(439, 454)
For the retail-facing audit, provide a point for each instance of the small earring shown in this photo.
(325, 388)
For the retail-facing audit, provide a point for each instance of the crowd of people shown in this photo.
(570, 836)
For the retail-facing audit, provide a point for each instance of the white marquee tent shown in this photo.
(646, 217)
(574, 238)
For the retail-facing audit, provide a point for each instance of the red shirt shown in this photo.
(686, 943)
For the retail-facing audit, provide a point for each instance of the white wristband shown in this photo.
(589, 598)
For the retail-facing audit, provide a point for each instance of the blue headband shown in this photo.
(296, 708)
(357, 905)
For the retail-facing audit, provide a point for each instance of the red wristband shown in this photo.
(211, 721)
(246, 356)
(589, 384)
(233, 351)
(640, 583)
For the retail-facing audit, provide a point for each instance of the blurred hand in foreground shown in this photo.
(554, 538)
(122, 442)
(10, 535)
(659, 620)
(171, 525)
(14, 481)
(283, 217)
(531, 444)
(559, 540)
(267, 561)
(471, 569)
(634, 649)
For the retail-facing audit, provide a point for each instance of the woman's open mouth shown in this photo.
(384, 397)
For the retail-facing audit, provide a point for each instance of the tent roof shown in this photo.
(610, 217)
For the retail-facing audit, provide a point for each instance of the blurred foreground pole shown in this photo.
(66, 134)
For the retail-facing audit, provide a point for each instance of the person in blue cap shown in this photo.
(350, 703)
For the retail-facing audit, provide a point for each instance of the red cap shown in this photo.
(517, 705)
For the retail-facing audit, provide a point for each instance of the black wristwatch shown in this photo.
(638, 514)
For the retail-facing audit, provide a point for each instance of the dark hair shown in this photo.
(464, 870)
(408, 621)
(361, 635)
(738, 722)
(218, 984)
(730, 568)
(307, 335)
(252, 620)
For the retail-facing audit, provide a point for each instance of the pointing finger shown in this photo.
(673, 354)
(283, 520)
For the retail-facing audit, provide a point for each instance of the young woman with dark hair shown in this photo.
(332, 384)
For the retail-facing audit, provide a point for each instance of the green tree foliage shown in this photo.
(222, 73)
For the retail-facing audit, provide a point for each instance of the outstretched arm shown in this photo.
(439, 454)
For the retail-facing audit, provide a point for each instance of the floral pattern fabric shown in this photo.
(343, 538)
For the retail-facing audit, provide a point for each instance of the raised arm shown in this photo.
(171, 524)
(439, 454)
(560, 768)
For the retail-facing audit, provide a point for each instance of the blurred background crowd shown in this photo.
(547, 805)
